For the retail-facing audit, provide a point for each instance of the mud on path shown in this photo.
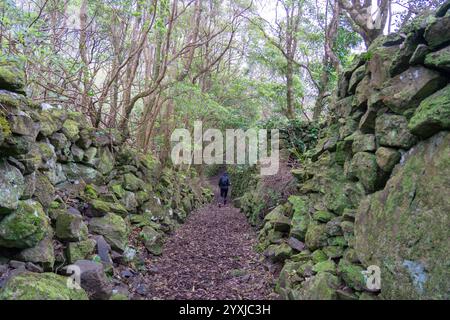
(211, 256)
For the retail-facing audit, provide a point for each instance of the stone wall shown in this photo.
(69, 192)
(376, 192)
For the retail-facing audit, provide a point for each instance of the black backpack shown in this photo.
(224, 181)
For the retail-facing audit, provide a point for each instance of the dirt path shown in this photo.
(210, 256)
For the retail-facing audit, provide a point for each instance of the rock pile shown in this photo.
(73, 194)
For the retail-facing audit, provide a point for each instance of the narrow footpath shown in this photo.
(211, 256)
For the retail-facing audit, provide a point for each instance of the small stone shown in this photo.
(296, 244)
(94, 280)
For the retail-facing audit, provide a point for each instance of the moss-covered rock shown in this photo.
(106, 161)
(316, 236)
(278, 252)
(320, 287)
(132, 183)
(152, 240)
(392, 131)
(405, 91)
(439, 59)
(436, 33)
(80, 250)
(71, 130)
(24, 227)
(432, 115)
(404, 229)
(40, 286)
(45, 192)
(323, 216)
(325, 266)
(387, 158)
(113, 228)
(12, 185)
(71, 227)
(300, 219)
(364, 165)
(43, 253)
(278, 220)
(12, 77)
(352, 274)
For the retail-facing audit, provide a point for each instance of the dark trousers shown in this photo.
(223, 194)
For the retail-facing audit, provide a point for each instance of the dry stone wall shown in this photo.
(376, 192)
(70, 193)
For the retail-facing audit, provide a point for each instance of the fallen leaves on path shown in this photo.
(211, 256)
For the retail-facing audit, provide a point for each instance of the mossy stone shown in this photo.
(432, 115)
(24, 227)
(113, 228)
(40, 286)
(80, 250)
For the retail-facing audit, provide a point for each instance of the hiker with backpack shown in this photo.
(224, 183)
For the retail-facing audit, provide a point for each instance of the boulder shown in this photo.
(439, 59)
(356, 78)
(12, 185)
(300, 219)
(363, 143)
(77, 153)
(94, 280)
(29, 186)
(277, 218)
(40, 286)
(113, 228)
(71, 130)
(387, 158)
(392, 131)
(278, 252)
(23, 124)
(405, 91)
(106, 161)
(419, 54)
(80, 250)
(320, 287)
(436, 34)
(352, 274)
(316, 236)
(323, 216)
(432, 115)
(132, 183)
(58, 140)
(71, 227)
(45, 191)
(402, 57)
(296, 244)
(24, 227)
(152, 240)
(403, 229)
(365, 168)
(43, 254)
(325, 266)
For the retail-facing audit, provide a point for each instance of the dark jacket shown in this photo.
(224, 181)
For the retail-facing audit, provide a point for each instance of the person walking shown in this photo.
(224, 184)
